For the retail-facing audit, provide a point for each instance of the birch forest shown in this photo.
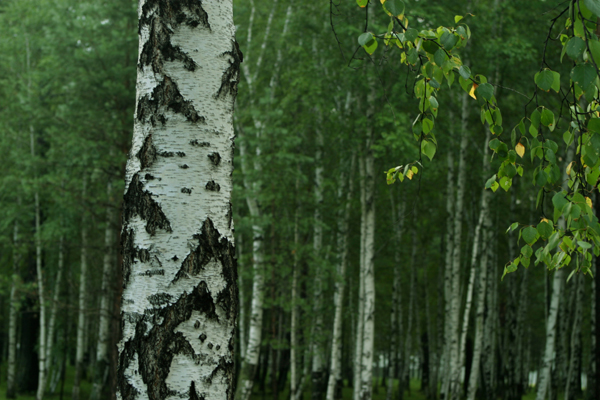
(401, 204)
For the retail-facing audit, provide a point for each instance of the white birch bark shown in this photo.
(180, 285)
(408, 343)
(557, 283)
(455, 298)
(573, 387)
(102, 354)
(483, 216)
(55, 298)
(318, 364)
(81, 311)
(335, 375)
(294, 312)
(449, 241)
(395, 321)
(40, 284)
(368, 335)
(358, 341)
(12, 317)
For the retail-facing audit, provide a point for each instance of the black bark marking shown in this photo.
(197, 324)
(198, 143)
(186, 190)
(211, 246)
(175, 258)
(152, 272)
(157, 346)
(202, 337)
(143, 255)
(149, 177)
(193, 394)
(180, 153)
(184, 166)
(147, 153)
(231, 76)
(213, 186)
(162, 17)
(140, 202)
(160, 299)
(215, 158)
(128, 249)
(210, 346)
(165, 95)
(166, 154)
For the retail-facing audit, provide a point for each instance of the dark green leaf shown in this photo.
(486, 91)
(593, 6)
(448, 40)
(575, 48)
(465, 72)
(545, 229)
(411, 34)
(365, 38)
(394, 7)
(584, 75)
(544, 79)
(530, 235)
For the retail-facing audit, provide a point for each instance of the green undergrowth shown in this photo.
(85, 387)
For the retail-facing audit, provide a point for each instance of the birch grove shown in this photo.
(408, 221)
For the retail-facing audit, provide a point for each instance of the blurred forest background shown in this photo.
(317, 124)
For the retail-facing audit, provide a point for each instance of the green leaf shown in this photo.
(544, 79)
(584, 75)
(544, 229)
(440, 57)
(365, 38)
(527, 251)
(362, 3)
(505, 183)
(486, 91)
(448, 40)
(371, 46)
(594, 125)
(530, 235)
(411, 34)
(457, 18)
(584, 245)
(556, 81)
(535, 118)
(593, 6)
(495, 186)
(575, 48)
(428, 148)
(488, 184)
(412, 56)
(427, 125)
(595, 48)
(465, 72)
(512, 226)
(394, 7)
(559, 201)
(547, 118)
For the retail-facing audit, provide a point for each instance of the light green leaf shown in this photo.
(465, 72)
(457, 18)
(530, 235)
(556, 81)
(505, 183)
(365, 38)
(428, 148)
(362, 3)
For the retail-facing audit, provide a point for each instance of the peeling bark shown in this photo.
(180, 281)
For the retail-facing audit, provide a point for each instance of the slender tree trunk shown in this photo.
(454, 386)
(318, 364)
(81, 318)
(102, 353)
(335, 375)
(55, 299)
(13, 313)
(573, 389)
(179, 275)
(361, 284)
(294, 345)
(408, 345)
(242, 301)
(557, 282)
(398, 218)
(40, 282)
(449, 242)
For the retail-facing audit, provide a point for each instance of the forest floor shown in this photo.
(86, 387)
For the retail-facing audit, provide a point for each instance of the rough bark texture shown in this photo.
(180, 282)
(54, 309)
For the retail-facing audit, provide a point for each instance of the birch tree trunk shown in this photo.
(395, 320)
(11, 392)
(335, 375)
(408, 346)
(368, 335)
(250, 363)
(81, 318)
(573, 389)
(40, 284)
(557, 282)
(318, 364)
(102, 354)
(294, 317)
(358, 341)
(55, 298)
(179, 274)
(453, 384)
(449, 241)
